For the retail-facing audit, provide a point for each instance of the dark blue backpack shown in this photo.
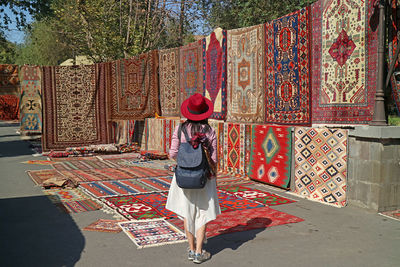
(192, 168)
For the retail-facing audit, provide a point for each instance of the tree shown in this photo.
(7, 51)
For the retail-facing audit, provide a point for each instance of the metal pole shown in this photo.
(379, 117)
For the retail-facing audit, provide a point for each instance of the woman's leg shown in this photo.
(189, 237)
(200, 238)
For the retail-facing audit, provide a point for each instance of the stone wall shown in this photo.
(374, 168)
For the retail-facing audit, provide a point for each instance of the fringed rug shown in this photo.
(150, 233)
(262, 197)
(133, 87)
(102, 225)
(78, 206)
(84, 164)
(49, 178)
(126, 187)
(31, 101)
(39, 162)
(230, 202)
(344, 49)
(141, 206)
(214, 67)
(191, 69)
(244, 220)
(321, 164)
(287, 69)
(169, 82)
(64, 195)
(227, 180)
(271, 155)
(74, 106)
(246, 94)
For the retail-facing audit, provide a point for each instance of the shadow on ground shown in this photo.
(231, 238)
(14, 148)
(35, 233)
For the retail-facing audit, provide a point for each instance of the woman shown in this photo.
(196, 206)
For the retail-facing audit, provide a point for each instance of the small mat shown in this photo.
(64, 195)
(395, 214)
(256, 195)
(150, 233)
(50, 179)
(78, 206)
(127, 187)
(102, 225)
(244, 220)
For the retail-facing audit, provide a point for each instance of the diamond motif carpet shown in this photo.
(214, 67)
(102, 225)
(246, 94)
(287, 69)
(344, 45)
(321, 164)
(271, 155)
(151, 233)
(169, 82)
(74, 104)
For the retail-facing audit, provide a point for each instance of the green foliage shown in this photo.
(232, 14)
(394, 120)
(42, 46)
(7, 51)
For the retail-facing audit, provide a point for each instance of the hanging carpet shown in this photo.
(132, 86)
(169, 82)
(30, 101)
(344, 49)
(287, 69)
(214, 67)
(9, 92)
(74, 106)
(246, 95)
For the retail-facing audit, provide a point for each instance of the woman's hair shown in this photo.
(197, 126)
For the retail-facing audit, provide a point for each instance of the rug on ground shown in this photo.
(102, 225)
(271, 155)
(321, 164)
(149, 233)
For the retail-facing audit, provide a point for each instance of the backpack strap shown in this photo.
(186, 134)
(179, 132)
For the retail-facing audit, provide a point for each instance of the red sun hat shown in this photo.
(197, 108)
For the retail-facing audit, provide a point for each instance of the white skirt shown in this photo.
(198, 206)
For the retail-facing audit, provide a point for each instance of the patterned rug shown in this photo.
(321, 164)
(127, 156)
(152, 233)
(9, 92)
(127, 187)
(271, 155)
(394, 214)
(141, 206)
(64, 195)
(102, 225)
(152, 136)
(234, 148)
(9, 107)
(84, 164)
(105, 174)
(262, 197)
(246, 94)
(214, 67)
(231, 202)
(344, 61)
(42, 177)
(122, 131)
(227, 180)
(191, 69)
(244, 220)
(31, 101)
(78, 206)
(169, 82)
(393, 42)
(74, 104)
(133, 87)
(287, 69)
(39, 162)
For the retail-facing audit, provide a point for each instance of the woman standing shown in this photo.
(196, 206)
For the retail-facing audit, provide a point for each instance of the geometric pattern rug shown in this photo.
(245, 75)
(78, 206)
(102, 225)
(234, 148)
(214, 71)
(9, 92)
(150, 233)
(41, 176)
(394, 214)
(244, 220)
(287, 67)
(262, 197)
(344, 60)
(271, 155)
(126, 187)
(74, 106)
(83, 164)
(169, 82)
(64, 195)
(321, 164)
(228, 180)
(231, 202)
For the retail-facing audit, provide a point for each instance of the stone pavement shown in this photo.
(34, 233)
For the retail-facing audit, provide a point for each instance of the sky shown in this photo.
(13, 34)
